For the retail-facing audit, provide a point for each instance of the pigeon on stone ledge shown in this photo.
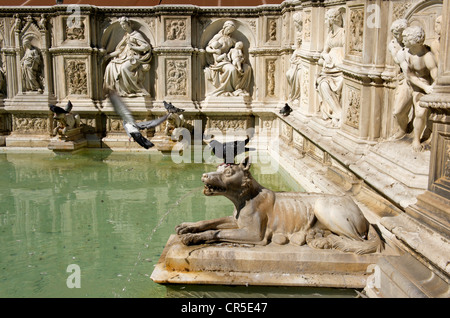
(286, 110)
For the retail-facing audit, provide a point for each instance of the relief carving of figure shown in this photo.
(435, 45)
(330, 80)
(294, 73)
(227, 79)
(262, 216)
(403, 92)
(31, 64)
(131, 59)
(420, 70)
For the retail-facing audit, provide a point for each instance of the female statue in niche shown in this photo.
(294, 73)
(31, 64)
(130, 60)
(330, 80)
(224, 76)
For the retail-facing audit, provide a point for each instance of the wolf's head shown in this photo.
(229, 179)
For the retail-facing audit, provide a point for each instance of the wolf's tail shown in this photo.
(371, 245)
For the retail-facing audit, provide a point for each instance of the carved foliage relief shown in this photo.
(356, 31)
(307, 26)
(305, 85)
(76, 77)
(176, 77)
(353, 108)
(26, 123)
(270, 71)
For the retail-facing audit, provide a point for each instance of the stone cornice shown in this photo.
(174, 51)
(150, 10)
(72, 50)
(270, 51)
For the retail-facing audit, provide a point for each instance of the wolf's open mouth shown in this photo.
(212, 188)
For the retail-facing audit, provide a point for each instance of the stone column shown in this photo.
(432, 206)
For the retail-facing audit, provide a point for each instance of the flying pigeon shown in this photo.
(229, 150)
(131, 127)
(172, 109)
(286, 110)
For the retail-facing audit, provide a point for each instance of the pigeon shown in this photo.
(229, 150)
(286, 110)
(172, 109)
(59, 110)
(131, 127)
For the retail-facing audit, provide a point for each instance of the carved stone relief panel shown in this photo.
(447, 158)
(298, 140)
(271, 30)
(76, 77)
(353, 102)
(307, 26)
(399, 8)
(176, 77)
(114, 125)
(286, 132)
(356, 31)
(270, 78)
(305, 86)
(175, 29)
(74, 29)
(224, 124)
(30, 124)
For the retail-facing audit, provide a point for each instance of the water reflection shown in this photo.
(96, 209)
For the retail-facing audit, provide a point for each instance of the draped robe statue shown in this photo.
(222, 74)
(125, 73)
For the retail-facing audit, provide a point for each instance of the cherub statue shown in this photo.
(420, 70)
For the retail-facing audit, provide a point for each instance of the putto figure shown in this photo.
(403, 92)
(226, 77)
(130, 60)
(420, 70)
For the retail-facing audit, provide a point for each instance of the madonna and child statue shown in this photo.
(227, 71)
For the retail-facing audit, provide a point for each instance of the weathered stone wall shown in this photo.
(72, 42)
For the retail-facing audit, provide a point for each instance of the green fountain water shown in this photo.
(109, 213)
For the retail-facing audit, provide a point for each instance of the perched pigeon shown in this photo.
(172, 109)
(229, 150)
(131, 127)
(59, 110)
(286, 110)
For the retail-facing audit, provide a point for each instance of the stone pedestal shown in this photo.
(72, 140)
(166, 145)
(271, 265)
(227, 103)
